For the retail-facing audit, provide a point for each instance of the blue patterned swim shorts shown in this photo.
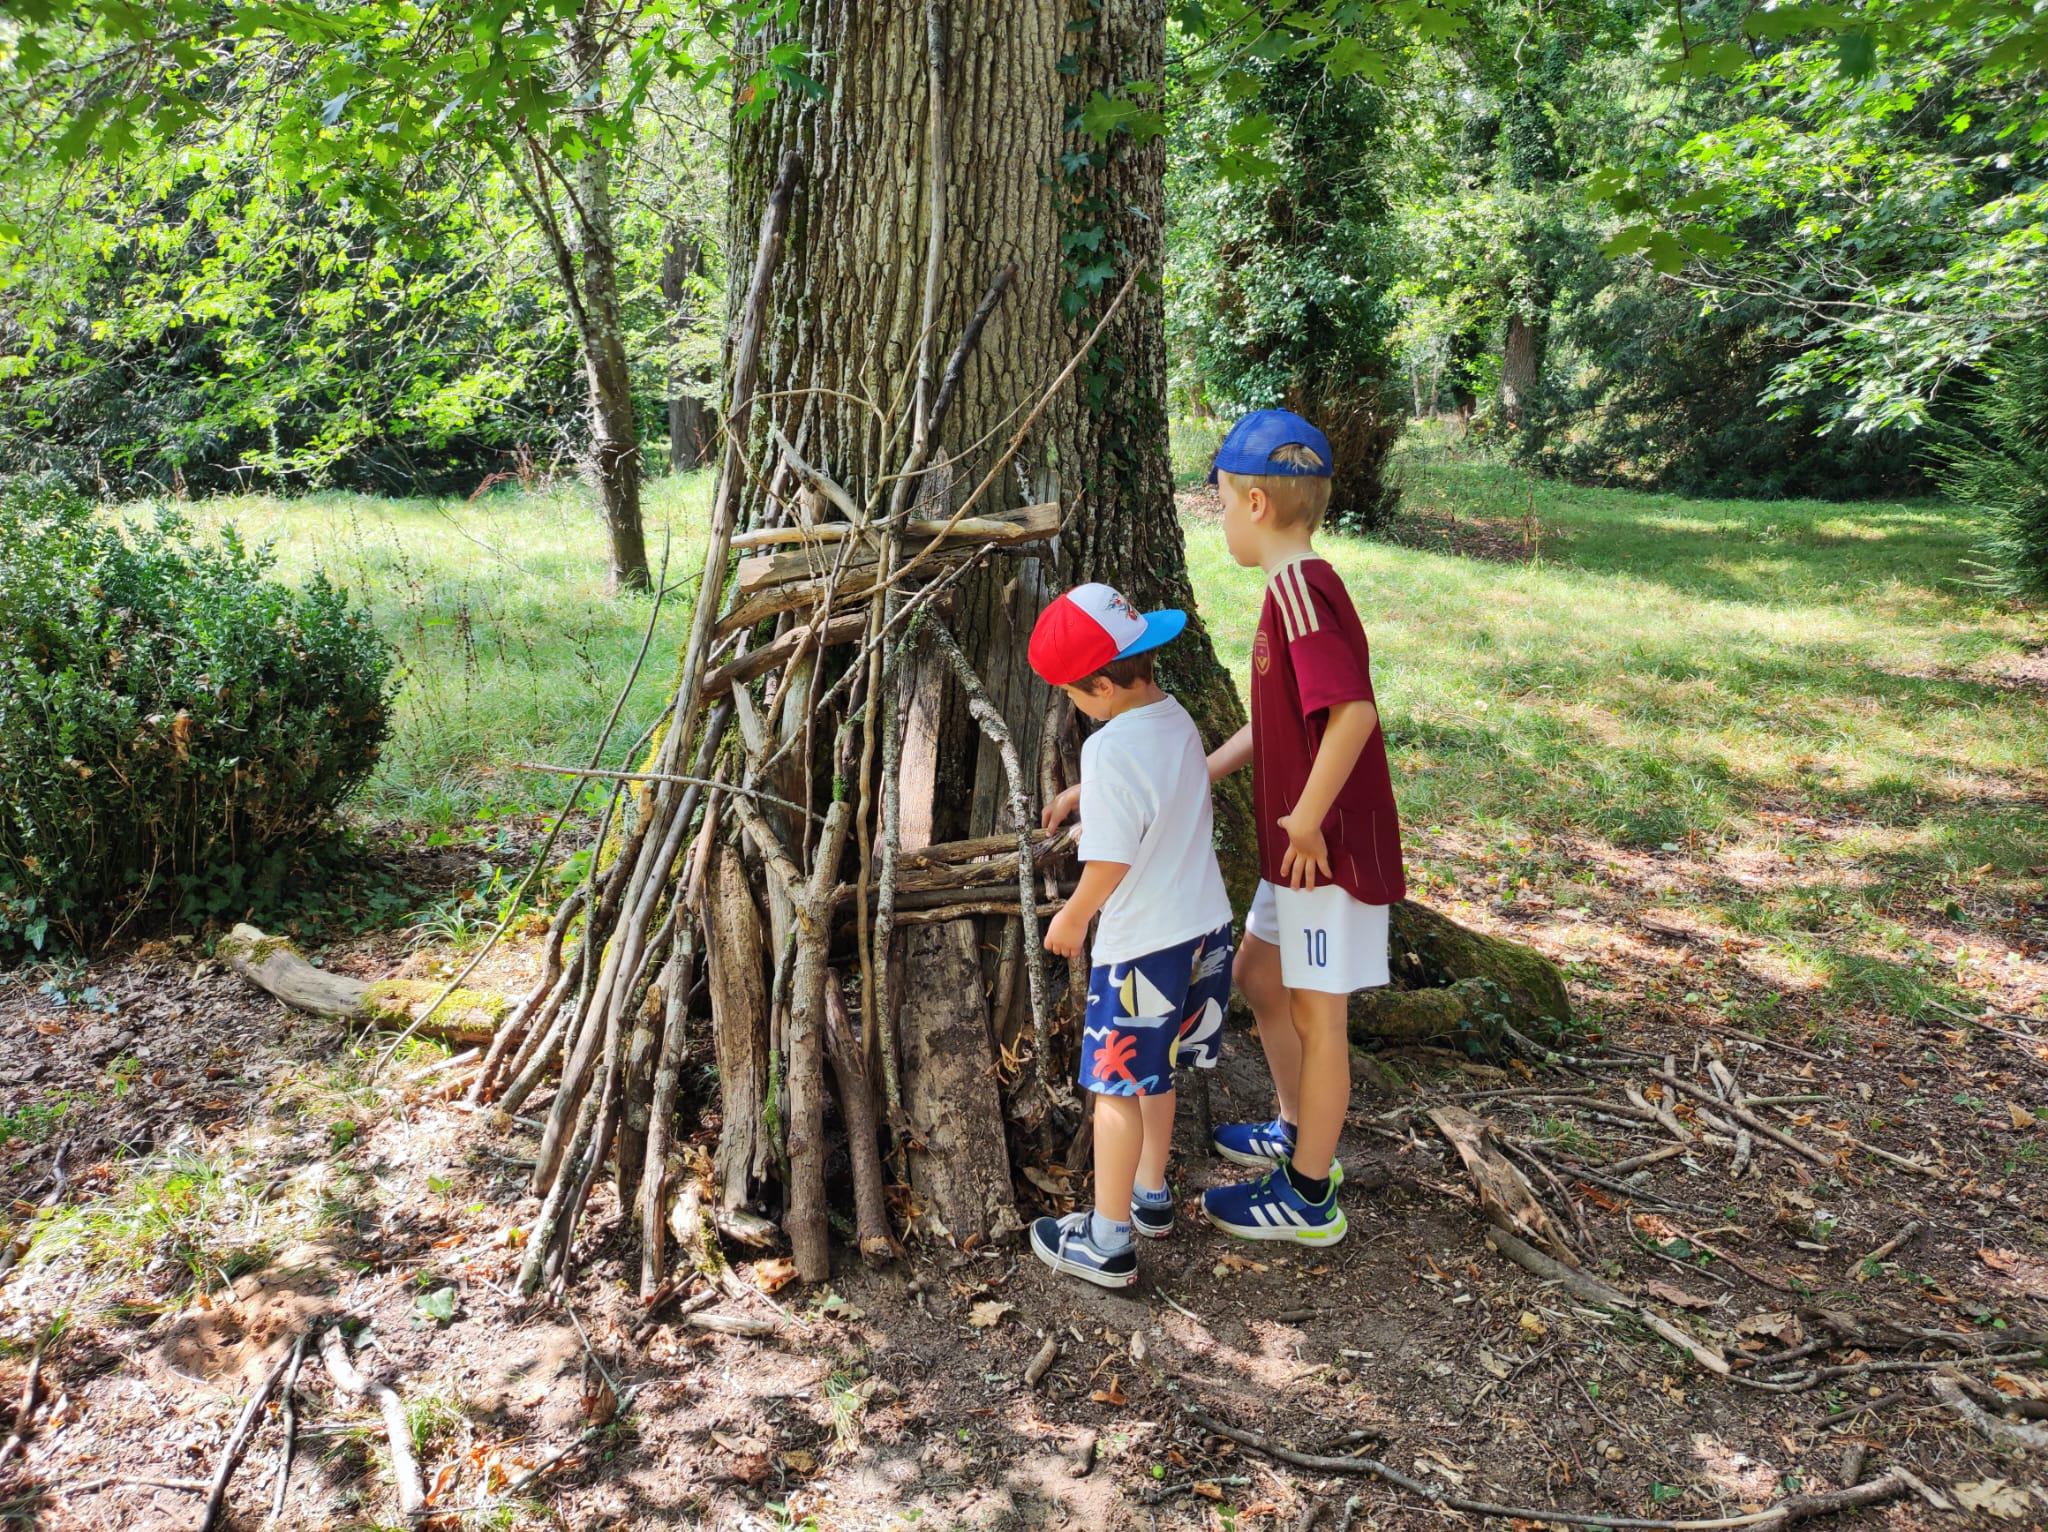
(1153, 1013)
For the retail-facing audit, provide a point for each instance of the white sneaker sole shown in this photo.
(1260, 1162)
(1095, 1274)
(1329, 1234)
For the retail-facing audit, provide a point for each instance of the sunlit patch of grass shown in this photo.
(512, 650)
(184, 1221)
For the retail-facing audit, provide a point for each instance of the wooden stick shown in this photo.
(1003, 459)
(2006, 1433)
(804, 1220)
(993, 724)
(1595, 1291)
(291, 1427)
(548, 844)
(24, 1410)
(779, 652)
(745, 360)
(1885, 1249)
(60, 1180)
(1746, 1117)
(405, 1467)
(857, 1108)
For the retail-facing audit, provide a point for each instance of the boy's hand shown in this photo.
(1307, 852)
(1060, 810)
(1068, 931)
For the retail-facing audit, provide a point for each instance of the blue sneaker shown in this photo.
(1065, 1245)
(1270, 1208)
(1262, 1144)
(1154, 1220)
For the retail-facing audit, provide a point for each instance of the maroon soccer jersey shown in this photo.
(1310, 654)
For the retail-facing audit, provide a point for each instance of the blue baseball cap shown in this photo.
(1250, 446)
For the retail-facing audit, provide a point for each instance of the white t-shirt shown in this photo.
(1145, 801)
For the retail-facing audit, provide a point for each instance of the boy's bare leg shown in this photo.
(1256, 973)
(1119, 1138)
(1325, 1078)
(1157, 1115)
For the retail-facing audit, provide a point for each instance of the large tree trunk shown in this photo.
(846, 320)
(846, 754)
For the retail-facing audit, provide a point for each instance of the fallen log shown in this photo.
(1452, 983)
(274, 966)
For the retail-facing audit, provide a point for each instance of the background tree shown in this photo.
(1281, 269)
(358, 105)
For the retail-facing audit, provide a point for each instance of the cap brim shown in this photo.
(1161, 627)
(1212, 473)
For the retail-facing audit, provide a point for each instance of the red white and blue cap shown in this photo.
(1250, 446)
(1091, 625)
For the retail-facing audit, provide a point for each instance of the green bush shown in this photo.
(2002, 465)
(176, 730)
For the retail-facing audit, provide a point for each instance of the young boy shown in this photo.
(1329, 841)
(1161, 959)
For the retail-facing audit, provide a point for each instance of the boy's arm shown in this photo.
(1068, 932)
(1350, 726)
(1234, 754)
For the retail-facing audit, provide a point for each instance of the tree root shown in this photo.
(405, 1463)
(1785, 1513)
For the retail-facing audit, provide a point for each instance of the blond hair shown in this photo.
(1298, 498)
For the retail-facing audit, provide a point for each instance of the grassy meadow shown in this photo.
(1799, 722)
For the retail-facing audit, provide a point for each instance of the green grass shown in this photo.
(1807, 705)
(512, 650)
(1809, 694)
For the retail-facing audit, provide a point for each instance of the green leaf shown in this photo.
(1348, 57)
(1248, 131)
(1627, 241)
(438, 1305)
(1666, 253)
(1856, 53)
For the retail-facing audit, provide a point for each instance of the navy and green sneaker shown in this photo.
(1066, 1245)
(1270, 1208)
(1262, 1144)
(1153, 1219)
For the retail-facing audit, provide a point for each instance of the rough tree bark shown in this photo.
(847, 321)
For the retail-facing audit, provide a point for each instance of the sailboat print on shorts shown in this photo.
(1139, 1006)
(1199, 1030)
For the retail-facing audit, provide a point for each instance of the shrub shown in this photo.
(176, 730)
(2002, 465)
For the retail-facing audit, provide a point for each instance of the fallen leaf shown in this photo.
(739, 1444)
(1493, 1364)
(1114, 1394)
(2021, 1117)
(1045, 1182)
(1995, 1497)
(1778, 1326)
(2026, 1272)
(1207, 1490)
(1533, 1327)
(989, 1312)
(772, 1274)
(796, 1460)
(1677, 1295)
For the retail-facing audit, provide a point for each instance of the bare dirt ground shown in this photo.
(228, 1178)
